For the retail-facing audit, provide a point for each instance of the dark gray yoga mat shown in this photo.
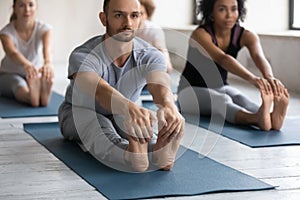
(191, 175)
(248, 135)
(10, 108)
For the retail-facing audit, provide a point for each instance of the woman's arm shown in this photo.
(252, 42)
(18, 58)
(202, 41)
(47, 69)
(12, 52)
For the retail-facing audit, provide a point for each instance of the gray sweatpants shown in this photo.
(102, 136)
(225, 102)
(9, 83)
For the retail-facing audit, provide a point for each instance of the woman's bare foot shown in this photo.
(165, 151)
(137, 155)
(34, 91)
(263, 114)
(45, 94)
(281, 102)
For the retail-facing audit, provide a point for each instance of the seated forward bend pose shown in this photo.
(220, 37)
(107, 74)
(26, 72)
(151, 32)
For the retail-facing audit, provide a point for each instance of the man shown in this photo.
(107, 74)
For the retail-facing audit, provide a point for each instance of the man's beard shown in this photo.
(124, 35)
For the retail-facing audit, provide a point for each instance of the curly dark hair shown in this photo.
(205, 8)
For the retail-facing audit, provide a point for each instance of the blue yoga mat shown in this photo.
(10, 108)
(145, 91)
(248, 135)
(191, 174)
(253, 137)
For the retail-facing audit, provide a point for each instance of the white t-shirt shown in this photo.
(32, 49)
(153, 34)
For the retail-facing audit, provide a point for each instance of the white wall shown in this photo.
(173, 12)
(267, 15)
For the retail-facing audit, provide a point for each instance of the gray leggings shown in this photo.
(9, 83)
(225, 101)
(102, 136)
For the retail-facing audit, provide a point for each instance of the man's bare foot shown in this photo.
(34, 91)
(45, 93)
(263, 114)
(164, 152)
(137, 155)
(281, 102)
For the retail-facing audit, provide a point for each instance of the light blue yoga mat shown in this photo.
(248, 135)
(191, 175)
(10, 108)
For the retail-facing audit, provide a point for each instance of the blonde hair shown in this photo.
(149, 6)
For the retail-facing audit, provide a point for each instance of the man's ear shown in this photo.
(102, 18)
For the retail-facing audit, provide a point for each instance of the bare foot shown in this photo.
(34, 91)
(45, 93)
(137, 155)
(263, 114)
(164, 152)
(281, 102)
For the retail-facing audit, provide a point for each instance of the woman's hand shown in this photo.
(30, 71)
(47, 72)
(262, 84)
(276, 85)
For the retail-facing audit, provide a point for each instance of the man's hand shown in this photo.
(139, 123)
(170, 122)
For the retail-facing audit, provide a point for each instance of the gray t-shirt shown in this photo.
(32, 49)
(129, 79)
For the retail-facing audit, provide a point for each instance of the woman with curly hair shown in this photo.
(212, 53)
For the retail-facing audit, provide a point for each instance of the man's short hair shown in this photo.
(105, 5)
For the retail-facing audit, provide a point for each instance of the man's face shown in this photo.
(122, 19)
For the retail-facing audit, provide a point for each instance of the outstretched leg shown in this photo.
(281, 102)
(45, 94)
(165, 150)
(262, 117)
(137, 155)
(30, 94)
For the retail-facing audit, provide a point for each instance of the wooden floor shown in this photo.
(29, 171)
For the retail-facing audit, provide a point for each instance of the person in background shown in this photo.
(107, 74)
(151, 32)
(212, 53)
(26, 71)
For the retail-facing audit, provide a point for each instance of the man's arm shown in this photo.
(138, 121)
(170, 121)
